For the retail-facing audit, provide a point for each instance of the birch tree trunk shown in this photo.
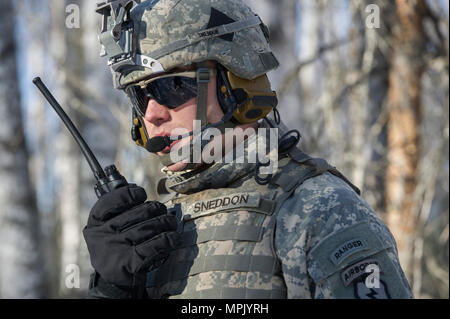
(378, 82)
(22, 274)
(36, 120)
(66, 153)
(404, 107)
(310, 76)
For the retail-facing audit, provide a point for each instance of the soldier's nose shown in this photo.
(156, 113)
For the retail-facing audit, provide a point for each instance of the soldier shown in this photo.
(224, 229)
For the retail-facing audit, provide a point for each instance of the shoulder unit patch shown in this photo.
(357, 270)
(363, 292)
(346, 249)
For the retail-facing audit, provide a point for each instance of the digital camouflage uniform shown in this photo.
(307, 234)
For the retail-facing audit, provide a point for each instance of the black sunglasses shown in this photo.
(171, 90)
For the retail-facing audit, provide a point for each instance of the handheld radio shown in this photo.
(108, 179)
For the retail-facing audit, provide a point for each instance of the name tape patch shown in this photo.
(207, 33)
(346, 249)
(357, 270)
(224, 203)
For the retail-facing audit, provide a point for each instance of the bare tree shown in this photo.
(404, 107)
(67, 58)
(21, 271)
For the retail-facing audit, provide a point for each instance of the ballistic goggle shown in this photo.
(171, 90)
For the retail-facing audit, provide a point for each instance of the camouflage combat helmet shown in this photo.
(149, 39)
(157, 35)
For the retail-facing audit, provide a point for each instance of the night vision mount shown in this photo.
(118, 37)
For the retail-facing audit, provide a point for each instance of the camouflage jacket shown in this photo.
(306, 234)
(331, 244)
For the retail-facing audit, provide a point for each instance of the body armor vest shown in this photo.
(227, 249)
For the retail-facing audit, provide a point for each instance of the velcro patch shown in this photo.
(357, 270)
(348, 248)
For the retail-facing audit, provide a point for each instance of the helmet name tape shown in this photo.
(206, 34)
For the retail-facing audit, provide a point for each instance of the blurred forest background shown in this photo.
(370, 95)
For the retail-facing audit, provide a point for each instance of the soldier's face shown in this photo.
(161, 120)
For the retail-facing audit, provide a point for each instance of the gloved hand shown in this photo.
(126, 236)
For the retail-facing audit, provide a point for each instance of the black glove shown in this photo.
(126, 236)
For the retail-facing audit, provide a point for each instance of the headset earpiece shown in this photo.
(250, 100)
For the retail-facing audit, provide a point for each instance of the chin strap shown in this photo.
(203, 79)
